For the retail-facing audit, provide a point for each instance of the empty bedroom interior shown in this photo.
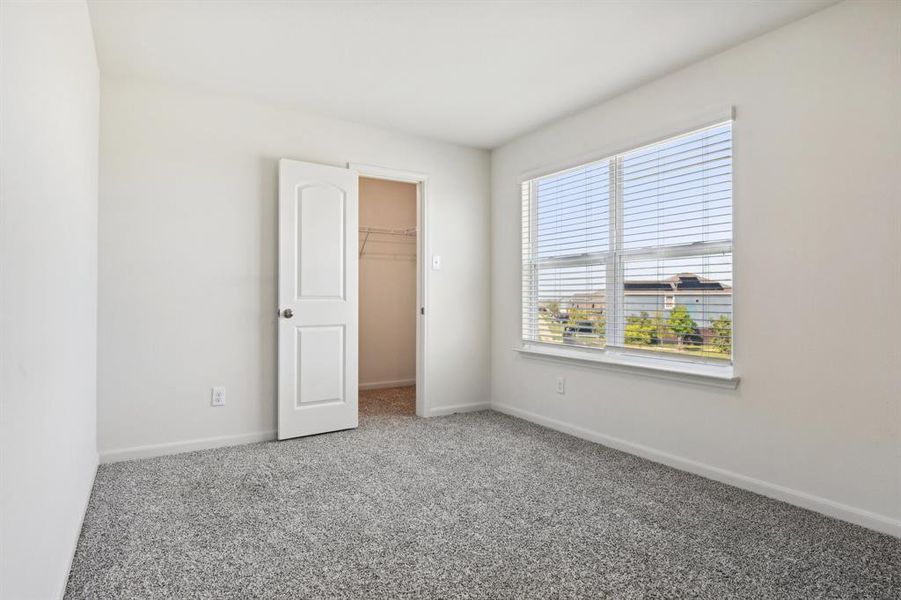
(450, 299)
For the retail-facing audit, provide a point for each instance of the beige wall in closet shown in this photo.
(387, 285)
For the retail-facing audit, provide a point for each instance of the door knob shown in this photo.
(287, 313)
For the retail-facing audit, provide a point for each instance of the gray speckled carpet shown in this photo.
(476, 505)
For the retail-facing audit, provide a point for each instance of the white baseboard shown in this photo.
(830, 508)
(458, 408)
(380, 385)
(84, 511)
(111, 456)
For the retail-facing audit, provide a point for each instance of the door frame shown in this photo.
(421, 181)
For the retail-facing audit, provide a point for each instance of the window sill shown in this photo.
(703, 374)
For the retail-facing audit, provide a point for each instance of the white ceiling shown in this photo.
(474, 73)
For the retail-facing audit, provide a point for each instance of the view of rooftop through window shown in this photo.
(634, 251)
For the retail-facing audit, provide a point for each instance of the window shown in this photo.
(633, 254)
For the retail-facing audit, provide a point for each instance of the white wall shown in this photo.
(48, 291)
(187, 289)
(816, 418)
(387, 285)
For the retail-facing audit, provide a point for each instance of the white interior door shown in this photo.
(318, 300)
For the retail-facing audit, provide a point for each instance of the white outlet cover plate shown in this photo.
(218, 396)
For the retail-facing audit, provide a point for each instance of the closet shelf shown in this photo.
(409, 231)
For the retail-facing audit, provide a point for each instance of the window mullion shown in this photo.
(533, 249)
(615, 318)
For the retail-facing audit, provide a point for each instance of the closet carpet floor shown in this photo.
(477, 505)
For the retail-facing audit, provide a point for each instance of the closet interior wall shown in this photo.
(387, 283)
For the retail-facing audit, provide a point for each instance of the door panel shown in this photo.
(317, 362)
(320, 364)
(320, 231)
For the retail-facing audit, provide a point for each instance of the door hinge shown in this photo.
(422, 310)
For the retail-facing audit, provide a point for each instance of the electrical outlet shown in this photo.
(218, 396)
(561, 385)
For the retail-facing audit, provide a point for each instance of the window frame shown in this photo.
(614, 351)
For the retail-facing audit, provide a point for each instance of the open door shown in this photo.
(318, 299)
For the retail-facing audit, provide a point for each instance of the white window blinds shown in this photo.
(634, 253)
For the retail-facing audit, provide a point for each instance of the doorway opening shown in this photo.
(390, 298)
